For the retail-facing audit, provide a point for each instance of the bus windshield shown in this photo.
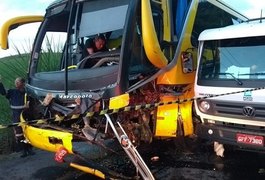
(97, 18)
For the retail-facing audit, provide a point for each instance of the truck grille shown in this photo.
(239, 110)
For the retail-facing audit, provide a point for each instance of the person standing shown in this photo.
(16, 99)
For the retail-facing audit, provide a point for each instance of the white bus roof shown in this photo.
(246, 29)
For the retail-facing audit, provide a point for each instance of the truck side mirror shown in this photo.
(187, 62)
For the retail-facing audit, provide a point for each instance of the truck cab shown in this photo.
(230, 85)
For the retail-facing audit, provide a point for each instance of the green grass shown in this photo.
(17, 66)
(10, 68)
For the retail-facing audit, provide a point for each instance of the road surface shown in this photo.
(172, 163)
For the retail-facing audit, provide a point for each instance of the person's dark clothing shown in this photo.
(2, 89)
(90, 43)
(16, 99)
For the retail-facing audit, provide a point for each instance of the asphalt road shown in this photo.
(39, 166)
(173, 163)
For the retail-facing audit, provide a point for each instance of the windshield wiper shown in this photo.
(236, 79)
(257, 73)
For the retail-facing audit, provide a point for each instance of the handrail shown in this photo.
(14, 23)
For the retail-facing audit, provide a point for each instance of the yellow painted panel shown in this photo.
(166, 19)
(166, 119)
(151, 44)
(167, 115)
(119, 101)
(166, 122)
(175, 75)
(186, 113)
(39, 138)
(186, 110)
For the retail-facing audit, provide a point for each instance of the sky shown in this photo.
(23, 36)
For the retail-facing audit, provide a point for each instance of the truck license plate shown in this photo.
(249, 139)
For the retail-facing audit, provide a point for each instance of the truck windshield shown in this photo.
(233, 60)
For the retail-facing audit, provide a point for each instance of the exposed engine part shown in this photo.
(137, 123)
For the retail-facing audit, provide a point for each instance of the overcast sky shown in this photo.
(24, 36)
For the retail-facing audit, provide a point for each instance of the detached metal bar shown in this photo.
(131, 151)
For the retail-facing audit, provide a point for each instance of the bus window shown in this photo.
(51, 52)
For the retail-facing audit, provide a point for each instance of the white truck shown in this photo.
(231, 73)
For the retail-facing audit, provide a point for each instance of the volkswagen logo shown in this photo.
(248, 111)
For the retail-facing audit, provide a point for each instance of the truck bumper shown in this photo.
(226, 135)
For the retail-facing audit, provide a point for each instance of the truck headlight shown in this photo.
(204, 106)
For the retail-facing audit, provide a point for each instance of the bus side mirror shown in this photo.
(187, 62)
